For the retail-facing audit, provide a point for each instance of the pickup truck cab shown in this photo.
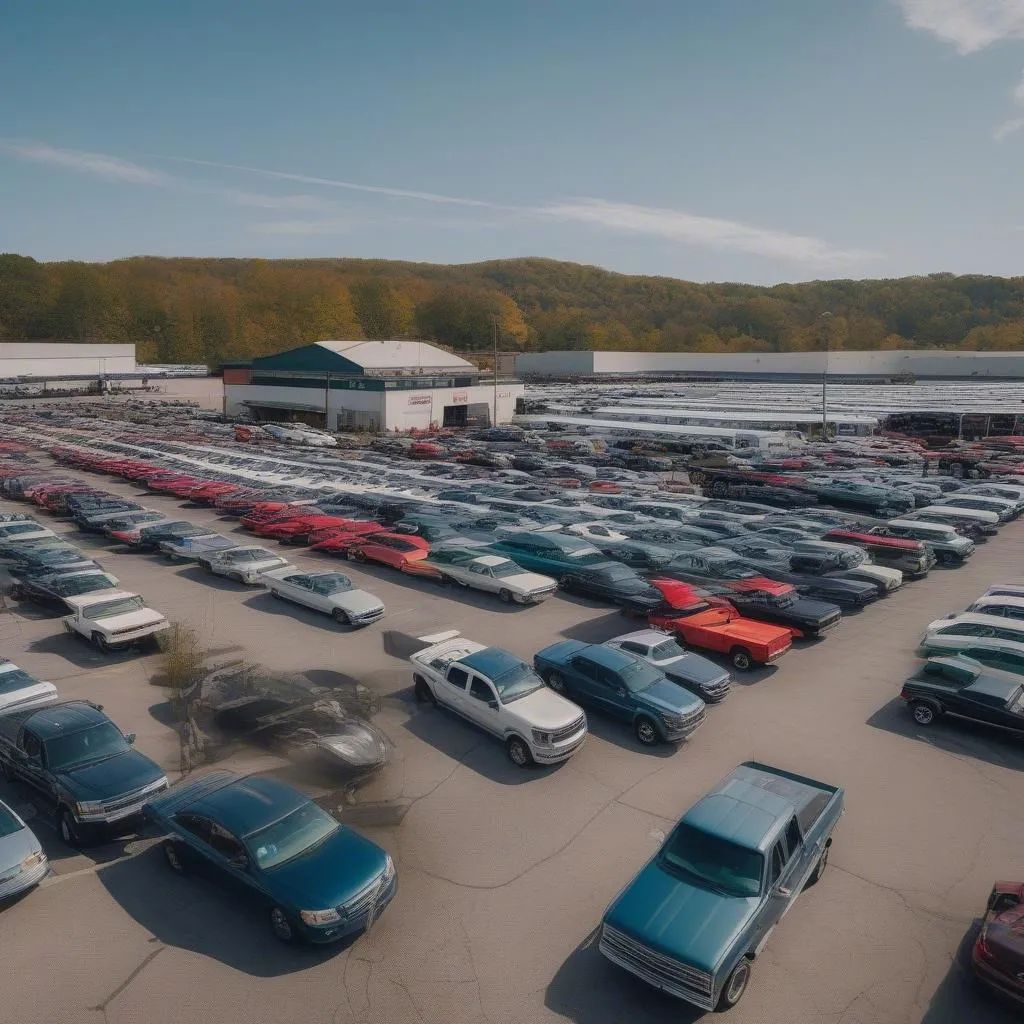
(500, 694)
(77, 759)
(694, 919)
(113, 619)
(624, 687)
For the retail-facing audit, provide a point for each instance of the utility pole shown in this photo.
(824, 318)
(494, 333)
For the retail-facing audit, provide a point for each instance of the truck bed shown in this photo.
(809, 797)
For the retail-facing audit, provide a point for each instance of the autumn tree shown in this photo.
(382, 312)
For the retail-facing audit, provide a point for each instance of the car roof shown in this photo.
(249, 804)
(643, 636)
(492, 662)
(1010, 600)
(83, 600)
(985, 620)
(64, 719)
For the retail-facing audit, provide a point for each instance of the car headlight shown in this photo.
(32, 860)
(541, 738)
(315, 918)
(84, 807)
(389, 870)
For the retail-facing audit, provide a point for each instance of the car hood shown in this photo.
(668, 696)
(14, 849)
(528, 581)
(328, 876)
(545, 709)
(112, 776)
(356, 601)
(130, 620)
(256, 565)
(678, 919)
(692, 668)
(358, 746)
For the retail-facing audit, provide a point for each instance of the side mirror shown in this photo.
(130, 738)
(493, 705)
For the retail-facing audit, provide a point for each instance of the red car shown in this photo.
(299, 529)
(338, 540)
(207, 493)
(267, 512)
(350, 527)
(716, 626)
(998, 954)
(398, 550)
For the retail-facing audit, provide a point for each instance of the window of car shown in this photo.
(480, 570)
(299, 580)
(1007, 633)
(31, 745)
(480, 690)
(634, 648)
(584, 666)
(793, 837)
(225, 843)
(194, 824)
(457, 677)
(778, 861)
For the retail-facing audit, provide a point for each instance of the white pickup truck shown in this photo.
(113, 619)
(501, 694)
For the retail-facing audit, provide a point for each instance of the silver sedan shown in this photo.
(332, 593)
(22, 861)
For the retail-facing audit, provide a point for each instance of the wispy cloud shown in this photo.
(709, 232)
(1012, 124)
(98, 165)
(969, 25)
(302, 228)
(264, 202)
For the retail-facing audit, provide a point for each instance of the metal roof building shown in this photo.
(368, 385)
(50, 360)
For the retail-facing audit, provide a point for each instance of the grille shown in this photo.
(716, 687)
(133, 798)
(832, 620)
(359, 905)
(570, 730)
(649, 964)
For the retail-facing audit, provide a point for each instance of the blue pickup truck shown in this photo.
(696, 916)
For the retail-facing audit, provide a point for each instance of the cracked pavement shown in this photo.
(504, 874)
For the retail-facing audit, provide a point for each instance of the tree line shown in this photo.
(215, 310)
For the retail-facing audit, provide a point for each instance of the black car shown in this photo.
(150, 536)
(964, 688)
(48, 560)
(809, 618)
(53, 589)
(637, 554)
(612, 582)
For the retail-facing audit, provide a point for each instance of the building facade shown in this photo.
(369, 386)
(50, 360)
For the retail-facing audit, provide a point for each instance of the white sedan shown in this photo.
(332, 593)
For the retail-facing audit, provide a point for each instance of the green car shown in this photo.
(551, 554)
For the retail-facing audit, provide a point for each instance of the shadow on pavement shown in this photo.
(605, 627)
(955, 736)
(192, 913)
(264, 601)
(959, 998)
(589, 989)
(613, 730)
(79, 651)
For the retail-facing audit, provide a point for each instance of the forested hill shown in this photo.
(196, 310)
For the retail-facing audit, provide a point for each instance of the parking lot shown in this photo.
(504, 873)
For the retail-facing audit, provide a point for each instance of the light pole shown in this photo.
(824, 319)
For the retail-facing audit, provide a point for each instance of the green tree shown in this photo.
(382, 312)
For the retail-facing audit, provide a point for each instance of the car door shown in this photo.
(613, 695)
(231, 861)
(451, 690)
(32, 767)
(298, 588)
(481, 578)
(481, 705)
(784, 880)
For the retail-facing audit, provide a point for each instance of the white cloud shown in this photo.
(692, 229)
(1007, 128)
(969, 25)
(99, 165)
(298, 228)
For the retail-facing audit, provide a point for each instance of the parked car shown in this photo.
(950, 547)
(1003, 605)
(396, 550)
(624, 687)
(188, 549)
(493, 574)
(997, 958)
(317, 880)
(56, 588)
(737, 860)
(612, 582)
(701, 677)
(24, 530)
(551, 554)
(78, 761)
(500, 694)
(23, 863)
(956, 633)
(44, 561)
(20, 691)
(716, 626)
(961, 687)
(332, 593)
(113, 619)
(911, 557)
(150, 536)
(244, 564)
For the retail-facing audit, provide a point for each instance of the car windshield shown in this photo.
(15, 680)
(516, 681)
(732, 570)
(504, 569)
(248, 555)
(108, 609)
(81, 585)
(336, 583)
(717, 863)
(103, 740)
(639, 676)
(9, 824)
(666, 649)
(295, 834)
(10, 531)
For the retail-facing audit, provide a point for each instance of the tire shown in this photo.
(100, 641)
(924, 712)
(423, 692)
(518, 752)
(556, 682)
(281, 925)
(741, 659)
(355, 555)
(68, 829)
(175, 861)
(819, 868)
(236, 577)
(275, 593)
(340, 617)
(735, 985)
(646, 731)
(566, 584)
(505, 595)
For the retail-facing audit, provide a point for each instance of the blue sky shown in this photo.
(737, 140)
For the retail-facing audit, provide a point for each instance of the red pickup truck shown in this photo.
(715, 625)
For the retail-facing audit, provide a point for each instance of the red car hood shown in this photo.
(761, 583)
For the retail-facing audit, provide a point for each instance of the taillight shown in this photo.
(904, 695)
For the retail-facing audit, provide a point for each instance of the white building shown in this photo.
(49, 360)
(368, 385)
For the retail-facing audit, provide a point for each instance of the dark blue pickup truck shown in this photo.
(79, 762)
(693, 920)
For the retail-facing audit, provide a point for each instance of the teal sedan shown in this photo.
(317, 880)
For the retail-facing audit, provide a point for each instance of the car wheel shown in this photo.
(518, 752)
(819, 868)
(100, 641)
(175, 861)
(340, 617)
(277, 594)
(741, 659)
(505, 595)
(556, 682)
(924, 712)
(236, 576)
(566, 584)
(735, 985)
(68, 828)
(646, 731)
(423, 692)
(281, 925)
(355, 555)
